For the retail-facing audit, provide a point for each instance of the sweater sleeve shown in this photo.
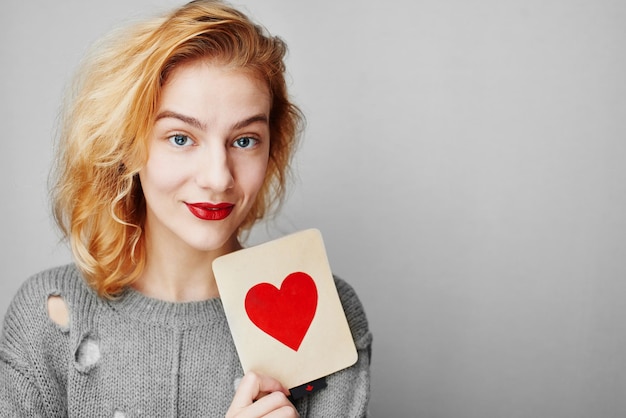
(33, 352)
(18, 396)
(348, 390)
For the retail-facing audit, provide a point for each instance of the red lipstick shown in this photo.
(210, 211)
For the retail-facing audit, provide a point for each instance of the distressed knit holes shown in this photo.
(119, 414)
(87, 354)
(58, 311)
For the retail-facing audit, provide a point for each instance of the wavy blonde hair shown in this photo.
(97, 198)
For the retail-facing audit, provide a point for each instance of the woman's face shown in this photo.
(207, 158)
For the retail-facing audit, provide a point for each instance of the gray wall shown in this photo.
(463, 159)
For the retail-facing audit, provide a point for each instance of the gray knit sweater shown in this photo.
(141, 357)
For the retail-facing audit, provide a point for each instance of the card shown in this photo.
(284, 311)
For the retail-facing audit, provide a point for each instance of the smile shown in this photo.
(210, 211)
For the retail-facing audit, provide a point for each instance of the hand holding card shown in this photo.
(283, 309)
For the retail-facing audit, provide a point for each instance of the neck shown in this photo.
(180, 275)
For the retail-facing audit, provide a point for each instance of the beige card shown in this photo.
(283, 309)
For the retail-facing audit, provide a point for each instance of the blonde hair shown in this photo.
(97, 199)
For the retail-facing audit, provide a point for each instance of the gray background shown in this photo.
(464, 161)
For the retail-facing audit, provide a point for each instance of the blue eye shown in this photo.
(180, 140)
(245, 142)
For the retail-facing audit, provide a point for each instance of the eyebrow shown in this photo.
(252, 119)
(189, 120)
(186, 119)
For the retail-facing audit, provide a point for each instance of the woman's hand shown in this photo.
(261, 396)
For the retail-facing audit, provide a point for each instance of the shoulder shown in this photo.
(35, 351)
(56, 278)
(355, 313)
(33, 294)
(27, 317)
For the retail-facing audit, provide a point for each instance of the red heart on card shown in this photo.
(286, 313)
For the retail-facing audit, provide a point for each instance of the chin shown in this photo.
(213, 243)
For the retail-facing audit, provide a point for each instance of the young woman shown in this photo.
(177, 138)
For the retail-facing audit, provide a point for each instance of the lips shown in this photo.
(210, 211)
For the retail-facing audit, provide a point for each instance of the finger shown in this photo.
(274, 404)
(284, 412)
(254, 386)
(287, 411)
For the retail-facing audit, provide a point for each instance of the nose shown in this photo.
(214, 170)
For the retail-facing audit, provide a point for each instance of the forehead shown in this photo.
(211, 67)
(208, 86)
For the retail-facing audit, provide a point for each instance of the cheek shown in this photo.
(252, 176)
(159, 174)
